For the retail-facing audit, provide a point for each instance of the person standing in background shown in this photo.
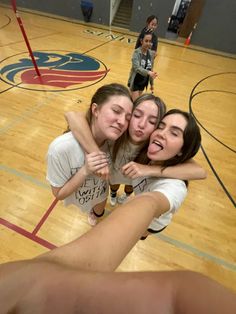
(151, 26)
(141, 73)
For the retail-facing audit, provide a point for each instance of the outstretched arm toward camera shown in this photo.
(105, 246)
(190, 170)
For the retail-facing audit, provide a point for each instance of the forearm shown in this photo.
(81, 131)
(211, 297)
(189, 170)
(104, 247)
(143, 72)
(71, 185)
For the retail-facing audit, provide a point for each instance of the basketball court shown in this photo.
(202, 235)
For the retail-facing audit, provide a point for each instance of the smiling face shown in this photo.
(153, 24)
(111, 119)
(146, 42)
(167, 141)
(143, 121)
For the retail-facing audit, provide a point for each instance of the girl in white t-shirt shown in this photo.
(70, 171)
(176, 140)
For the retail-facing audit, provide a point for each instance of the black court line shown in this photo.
(96, 47)
(203, 150)
(6, 90)
(34, 38)
(12, 85)
(215, 138)
(8, 22)
(209, 76)
(218, 178)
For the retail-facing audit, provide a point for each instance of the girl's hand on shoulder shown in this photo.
(134, 170)
(95, 162)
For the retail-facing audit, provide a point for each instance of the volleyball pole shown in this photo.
(13, 3)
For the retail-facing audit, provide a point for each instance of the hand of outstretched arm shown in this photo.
(134, 170)
(190, 170)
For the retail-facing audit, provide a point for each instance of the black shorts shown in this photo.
(140, 82)
(138, 87)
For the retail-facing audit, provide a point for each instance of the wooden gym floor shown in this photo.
(202, 235)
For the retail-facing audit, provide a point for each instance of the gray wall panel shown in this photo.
(68, 8)
(142, 9)
(217, 25)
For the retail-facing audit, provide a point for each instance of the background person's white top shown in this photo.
(65, 157)
(174, 190)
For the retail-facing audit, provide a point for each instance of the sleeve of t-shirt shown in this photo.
(174, 190)
(58, 172)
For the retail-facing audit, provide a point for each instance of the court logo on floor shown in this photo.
(58, 71)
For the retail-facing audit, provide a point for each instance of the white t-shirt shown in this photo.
(124, 155)
(65, 157)
(174, 190)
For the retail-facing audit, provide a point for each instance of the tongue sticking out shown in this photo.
(154, 148)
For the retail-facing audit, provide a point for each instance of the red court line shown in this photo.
(36, 229)
(27, 234)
